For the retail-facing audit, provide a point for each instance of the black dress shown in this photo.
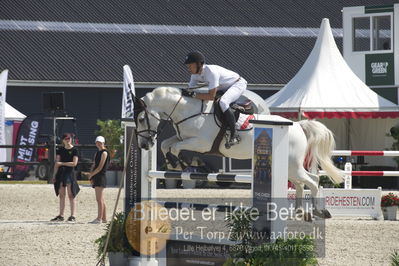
(65, 174)
(99, 179)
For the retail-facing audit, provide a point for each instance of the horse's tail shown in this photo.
(320, 145)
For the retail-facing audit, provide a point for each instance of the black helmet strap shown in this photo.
(199, 66)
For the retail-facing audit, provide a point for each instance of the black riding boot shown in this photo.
(228, 116)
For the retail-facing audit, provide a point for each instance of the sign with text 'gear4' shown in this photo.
(380, 69)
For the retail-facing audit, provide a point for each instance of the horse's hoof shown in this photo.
(183, 166)
(325, 214)
(307, 217)
(299, 214)
(232, 142)
(171, 159)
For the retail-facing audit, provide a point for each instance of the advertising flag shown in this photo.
(28, 134)
(128, 90)
(3, 86)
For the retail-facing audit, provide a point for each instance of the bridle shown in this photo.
(150, 134)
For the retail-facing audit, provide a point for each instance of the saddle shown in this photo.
(246, 107)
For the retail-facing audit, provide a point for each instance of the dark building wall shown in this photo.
(85, 104)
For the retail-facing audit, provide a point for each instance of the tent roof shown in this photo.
(325, 86)
(13, 114)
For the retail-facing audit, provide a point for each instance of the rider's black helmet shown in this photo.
(195, 57)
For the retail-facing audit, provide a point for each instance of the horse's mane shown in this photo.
(162, 93)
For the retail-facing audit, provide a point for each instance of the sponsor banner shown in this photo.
(344, 202)
(380, 69)
(3, 87)
(353, 202)
(27, 135)
(133, 170)
(128, 90)
(133, 181)
(262, 184)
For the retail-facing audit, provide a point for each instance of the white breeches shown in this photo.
(232, 94)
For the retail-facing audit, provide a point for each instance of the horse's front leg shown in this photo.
(171, 159)
(191, 144)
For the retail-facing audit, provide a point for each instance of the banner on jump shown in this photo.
(353, 202)
(345, 202)
(262, 184)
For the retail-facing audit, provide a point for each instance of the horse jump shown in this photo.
(279, 164)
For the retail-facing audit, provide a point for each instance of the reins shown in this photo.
(152, 133)
(169, 117)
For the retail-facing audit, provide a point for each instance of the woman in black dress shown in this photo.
(98, 179)
(64, 179)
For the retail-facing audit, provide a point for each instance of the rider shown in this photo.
(217, 78)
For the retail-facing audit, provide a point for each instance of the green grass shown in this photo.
(394, 258)
(35, 182)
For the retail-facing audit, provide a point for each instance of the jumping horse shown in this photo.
(196, 128)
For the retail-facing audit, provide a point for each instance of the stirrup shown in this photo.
(233, 141)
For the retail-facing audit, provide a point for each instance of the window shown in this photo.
(372, 33)
(382, 33)
(361, 34)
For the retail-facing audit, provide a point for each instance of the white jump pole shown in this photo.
(137, 186)
(348, 173)
(364, 153)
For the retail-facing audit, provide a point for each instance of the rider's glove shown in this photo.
(188, 93)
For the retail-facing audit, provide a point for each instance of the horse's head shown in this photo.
(147, 122)
(147, 112)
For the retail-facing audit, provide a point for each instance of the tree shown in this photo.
(112, 131)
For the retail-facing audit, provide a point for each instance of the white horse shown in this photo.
(196, 129)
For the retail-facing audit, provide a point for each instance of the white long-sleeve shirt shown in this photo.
(215, 77)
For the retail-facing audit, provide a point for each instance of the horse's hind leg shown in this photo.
(313, 173)
(322, 213)
(299, 195)
(305, 177)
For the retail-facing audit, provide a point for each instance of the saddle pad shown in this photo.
(243, 122)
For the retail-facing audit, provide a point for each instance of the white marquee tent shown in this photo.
(12, 116)
(326, 89)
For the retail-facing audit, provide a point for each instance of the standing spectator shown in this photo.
(64, 179)
(98, 179)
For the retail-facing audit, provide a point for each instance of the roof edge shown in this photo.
(117, 84)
